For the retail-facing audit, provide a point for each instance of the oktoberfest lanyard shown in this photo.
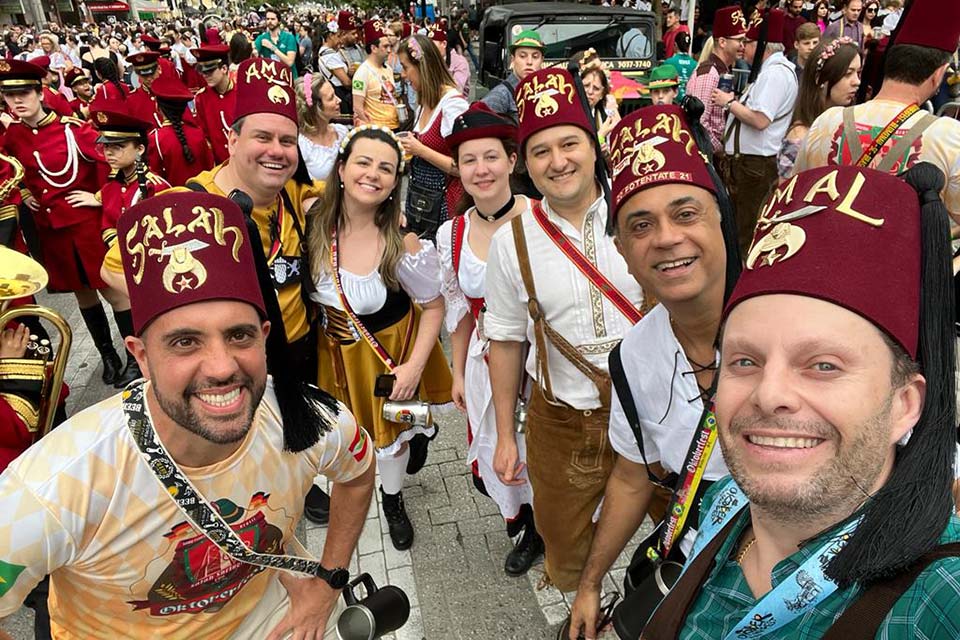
(797, 594)
(347, 309)
(871, 152)
(586, 267)
(694, 466)
(193, 505)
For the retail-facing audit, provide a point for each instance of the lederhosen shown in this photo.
(751, 178)
(568, 454)
(860, 621)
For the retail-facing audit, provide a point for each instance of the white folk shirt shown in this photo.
(571, 305)
(657, 369)
(773, 94)
(124, 562)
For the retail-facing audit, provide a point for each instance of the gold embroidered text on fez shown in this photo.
(544, 94)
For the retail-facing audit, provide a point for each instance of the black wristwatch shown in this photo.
(336, 578)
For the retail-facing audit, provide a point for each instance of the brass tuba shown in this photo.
(21, 276)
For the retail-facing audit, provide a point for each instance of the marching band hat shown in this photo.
(42, 61)
(480, 121)
(373, 30)
(931, 23)
(654, 146)
(17, 74)
(115, 123)
(265, 86)
(144, 62)
(529, 39)
(729, 22)
(774, 19)
(663, 77)
(169, 88)
(549, 98)
(74, 76)
(200, 252)
(209, 57)
(150, 42)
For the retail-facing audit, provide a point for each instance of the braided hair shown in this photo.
(173, 111)
(107, 70)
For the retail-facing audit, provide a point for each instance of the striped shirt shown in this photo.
(928, 610)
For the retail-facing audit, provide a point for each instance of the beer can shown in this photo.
(412, 412)
(726, 83)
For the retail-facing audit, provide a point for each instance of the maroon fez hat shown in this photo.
(17, 74)
(407, 29)
(265, 86)
(548, 98)
(42, 61)
(653, 146)
(168, 87)
(729, 22)
(437, 34)
(182, 247)
(827, 233)
(480, 121)
(931, 23)
(373, 30)
(346, 21)
(774, 19)
(115, 123)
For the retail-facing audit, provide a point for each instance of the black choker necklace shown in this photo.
(502, 211)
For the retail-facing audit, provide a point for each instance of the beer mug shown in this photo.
(412, 412)
(382, 611)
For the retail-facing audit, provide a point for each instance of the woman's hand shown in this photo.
(457, 394)
(408, 379)
(82, 199)
(411, 144)
(13, 342)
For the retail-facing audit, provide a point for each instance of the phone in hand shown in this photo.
(383, 387)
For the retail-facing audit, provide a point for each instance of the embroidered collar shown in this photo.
(47, 119)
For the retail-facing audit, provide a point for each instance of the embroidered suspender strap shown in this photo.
(456, 243)
(667, 621)
(850, 136)
(195, 507)
(586, 267)
(354, 320)
(900, 148)
(542, 329)
(863, 618)
(874, 149)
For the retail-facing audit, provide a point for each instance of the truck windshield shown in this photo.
(624, 39)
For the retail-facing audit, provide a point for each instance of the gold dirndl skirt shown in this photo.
(348, 371)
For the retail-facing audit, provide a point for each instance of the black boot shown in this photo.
(99, 328)
(525, 553)
(316, 506)
(419, 448)
(401, 529)
(131, 371)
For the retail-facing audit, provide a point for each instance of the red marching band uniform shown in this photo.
(167, 155)
(149, 67)
(214, 109)
(53, 100)
(59, 155)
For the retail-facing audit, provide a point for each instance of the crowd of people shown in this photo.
(731, 311)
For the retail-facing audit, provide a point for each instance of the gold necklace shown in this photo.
(743, 553)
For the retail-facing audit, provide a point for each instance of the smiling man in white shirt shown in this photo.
(572, 321)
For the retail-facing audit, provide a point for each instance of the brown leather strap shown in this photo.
(850, 135)
(898, 150)
(542, 329)
(667, 621)
(863, 618)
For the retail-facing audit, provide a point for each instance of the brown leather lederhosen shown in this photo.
(568, 454)
(891, 158)
(860, 621)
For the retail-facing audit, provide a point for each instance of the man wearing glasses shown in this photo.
(215, 103)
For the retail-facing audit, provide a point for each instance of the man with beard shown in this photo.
(572, 303)
(836, 416)
(675, 229)
(133, 506)
(263, 159)
(374, 94)
(729, 29)
(276, 43)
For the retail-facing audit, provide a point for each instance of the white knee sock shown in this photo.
(393, 469)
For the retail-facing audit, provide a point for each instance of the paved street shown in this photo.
(454, 572)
